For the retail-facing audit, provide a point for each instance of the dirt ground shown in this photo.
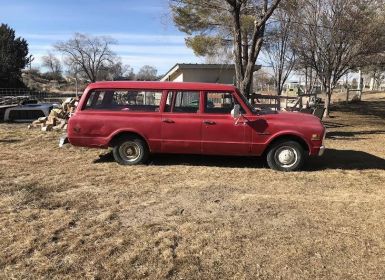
(73, 213)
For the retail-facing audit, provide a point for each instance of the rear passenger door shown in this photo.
(221, 135)
(181, 123)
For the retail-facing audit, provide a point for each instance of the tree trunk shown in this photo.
(360, 85)
(245, 86)
(311, 81)
(306, 81)
(279, 93)
(237, 44)
(245, 60)
(327, 102)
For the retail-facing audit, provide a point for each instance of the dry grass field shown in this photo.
(73, 213)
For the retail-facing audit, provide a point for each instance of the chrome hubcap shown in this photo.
(286, 156)
(130, 151)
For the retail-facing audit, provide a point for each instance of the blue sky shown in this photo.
(143, 29)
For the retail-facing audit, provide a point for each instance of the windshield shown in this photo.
(244, 99)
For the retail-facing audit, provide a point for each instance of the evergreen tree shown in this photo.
(13, 57)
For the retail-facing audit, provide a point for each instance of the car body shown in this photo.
(188, 118)
(28, 112)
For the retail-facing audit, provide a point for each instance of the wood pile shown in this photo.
(57, 118)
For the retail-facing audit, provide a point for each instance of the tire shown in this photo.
(130, 151)
(286, 156)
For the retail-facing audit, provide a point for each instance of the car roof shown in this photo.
(156, 85)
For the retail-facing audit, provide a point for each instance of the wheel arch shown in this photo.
(126, 134)
(289, 137)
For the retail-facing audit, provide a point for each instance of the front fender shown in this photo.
(289, 134)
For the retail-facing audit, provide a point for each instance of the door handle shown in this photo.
(209, 122)
(167, 121)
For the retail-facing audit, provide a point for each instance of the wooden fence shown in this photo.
(291, 103)
(278, 102)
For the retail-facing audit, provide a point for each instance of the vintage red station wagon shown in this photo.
(137, 119)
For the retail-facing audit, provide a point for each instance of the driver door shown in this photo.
(221, 135)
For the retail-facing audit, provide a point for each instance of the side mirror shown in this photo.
(235, 113)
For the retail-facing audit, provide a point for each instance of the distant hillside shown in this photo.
(33, 79)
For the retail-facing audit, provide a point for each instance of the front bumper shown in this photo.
(321, 150)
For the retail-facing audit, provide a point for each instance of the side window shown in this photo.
(124, 100)
(182, 102)
(95, 99)
(219, 102)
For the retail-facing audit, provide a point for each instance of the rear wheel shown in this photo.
(286, 156)
(130, 151)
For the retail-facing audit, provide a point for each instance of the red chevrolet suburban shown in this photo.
(137, 119)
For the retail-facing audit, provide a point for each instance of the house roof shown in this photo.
(181, 66)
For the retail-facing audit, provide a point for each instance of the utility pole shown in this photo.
(76, 85)
(30, 59)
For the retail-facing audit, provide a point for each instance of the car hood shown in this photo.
(296, 117)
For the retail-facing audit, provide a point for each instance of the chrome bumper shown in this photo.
(321, 151)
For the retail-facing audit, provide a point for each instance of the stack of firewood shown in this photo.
(58, 117)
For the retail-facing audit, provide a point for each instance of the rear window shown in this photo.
(124, 100)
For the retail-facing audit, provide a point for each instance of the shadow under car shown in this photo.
(332, 159)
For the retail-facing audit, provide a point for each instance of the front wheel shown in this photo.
(130, 151)
(286, 156)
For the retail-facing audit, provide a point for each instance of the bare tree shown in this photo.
(378, 76)
(53, 64)
(264, 79)
(121, 71)
(91, 54)
(147, 73)
(376, 73)
(336, 36)
(74, 73)
(238, 24)
(117, 71)
(278, 48)
(311, 78)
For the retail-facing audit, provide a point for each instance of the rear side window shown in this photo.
(124, 100)
(182, 102)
